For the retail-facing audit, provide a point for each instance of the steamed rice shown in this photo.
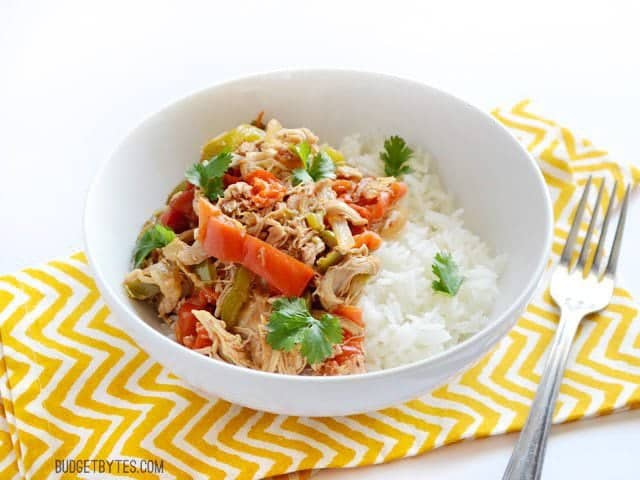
(406, 320)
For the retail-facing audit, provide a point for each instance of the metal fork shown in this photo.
(578, 290)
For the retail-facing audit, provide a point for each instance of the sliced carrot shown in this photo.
(206, 210)
(363, 211)
(280, 270)
(342, 186)
(350, 312)
(398, 190)
(224, 240)
(229, 243)
(371, 239)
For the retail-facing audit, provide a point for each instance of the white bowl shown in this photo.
(490, 175)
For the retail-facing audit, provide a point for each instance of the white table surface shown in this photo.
(75, 76)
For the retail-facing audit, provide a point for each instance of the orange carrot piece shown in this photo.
(229, 243)
(224, 241)
(267, 189)
(398, 190)
(282, 271)
(350, 312)
(342, 186)
(206, 210)
(371, 239)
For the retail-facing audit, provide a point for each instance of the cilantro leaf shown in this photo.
(321, 166)
(320, 336)
(196, 174)
(300, 175)
(449, 278)
(207, 175)
(157, 236)
(395, 156)
(291, 324)
(303, 150)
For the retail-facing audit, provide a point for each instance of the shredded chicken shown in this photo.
(352, 364)
(225, 345)
(311, 197)
(237, 199)
(315, 220)
(296, 135)
(349, 173)
(167, 278)
(394, 222)
(252, 326)
(277, 235)
(344, 362)
(342, 284)
(179, 251)
(351, 327)
(291, 363)
(337, 208)
(276, 136)
(282, 225)
(370, 188)
(309, 250)
(193, 254)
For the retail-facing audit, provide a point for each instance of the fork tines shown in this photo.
(567, 252)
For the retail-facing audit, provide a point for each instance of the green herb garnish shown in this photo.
(300, 175)
(320, 166)
(207, 175)
(291, 324)
(303, 150)
(395, 156)
(449, 278)
(154, 237)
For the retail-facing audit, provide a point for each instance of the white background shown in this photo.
(76, 76)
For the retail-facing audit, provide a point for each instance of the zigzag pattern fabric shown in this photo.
(74, 385)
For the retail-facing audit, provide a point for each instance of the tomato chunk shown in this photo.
(179, 215)
(267, 189)
(186, 326)
(351, 346)
(375, 209)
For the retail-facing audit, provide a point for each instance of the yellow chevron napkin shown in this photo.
(75, 388)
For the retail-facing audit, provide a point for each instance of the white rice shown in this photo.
(406, 320)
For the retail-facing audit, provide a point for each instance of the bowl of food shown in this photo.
(318, 242)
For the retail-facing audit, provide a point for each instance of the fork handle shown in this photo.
(528, 455)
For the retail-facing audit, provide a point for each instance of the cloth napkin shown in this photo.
(75, 386)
